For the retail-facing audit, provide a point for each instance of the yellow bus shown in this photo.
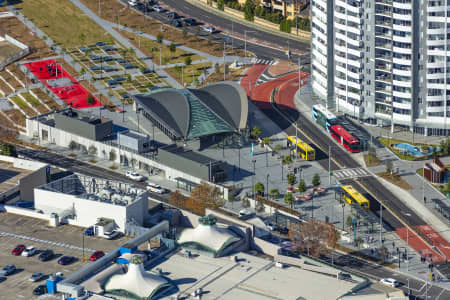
(305, 151)
(351, 195)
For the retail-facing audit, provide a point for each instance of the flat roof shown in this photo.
(133, 134)
(251, 278)
(10, 176)
(189, 154)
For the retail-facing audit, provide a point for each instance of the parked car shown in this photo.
(158, 9)
(36, 276)
(29, 251)
(155, 188)
(18, 250)
(176, 23)
(209, 29)
(66, 260)
(282, 230)
(96, 255)
(390, 281)
(89, 231)
(344, 276)
(8, 270)
(271, 226)
(245, 213)
(173, 15)
(2, 279)
(135, 176)
(190, 21)
(133, 2)
(40, 290)
(46, 255)
(110, 235)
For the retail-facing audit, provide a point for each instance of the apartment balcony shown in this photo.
(385, 78)
(384, 2)
(387, 46)
(384, 89)
(384, 67)
(383, 23)
(385, 13)
(384, 56)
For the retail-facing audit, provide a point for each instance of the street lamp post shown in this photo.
(253, 179)
(381, 222)
(245, 41)
(267, 186)
(138, 110)
(239, 158)
(312, 205)
(343, 205)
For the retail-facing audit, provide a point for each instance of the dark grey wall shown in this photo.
(182, 164)
(74, 125)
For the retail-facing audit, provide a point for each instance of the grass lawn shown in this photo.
(5, 88)
(371, 161)
(167, 57)
(189, 71)
(388, 142)
(34, 102)
(395, 179)
(231, 75)
(62, 21)
(23, 105)
(46, 99)
(16, 116)
(11, 80)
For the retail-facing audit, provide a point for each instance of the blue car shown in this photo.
(89, 231)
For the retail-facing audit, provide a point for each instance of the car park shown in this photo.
(40, 290)
(158, 9)
(29, 251)
(8, 270)
(46, 255)
(390, 282)
(155, 188)
(96, 255)
(190, 21)
(18, 250)
(134, 175)
(36, 276)
(209, 29)
(66, 260)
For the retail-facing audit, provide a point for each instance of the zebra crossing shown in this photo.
(351, 173)
(262, 61)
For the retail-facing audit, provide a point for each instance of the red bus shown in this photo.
(346, 139)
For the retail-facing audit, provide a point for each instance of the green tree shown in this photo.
(289, 199)
(249, 10)
(217, 68)
(187, 60)
(90, 99)
(287, 160)
(256, 131)
(349, 222)
(82, 38)
(267, 141)
(73, 145)
(128, 78)
(274, 193)
(221, 4)
(8, 150)
(278, 148)
(291, 178)
(259, 188)
(302, 186)
(316, 180)
(172, 48)
(159, 38)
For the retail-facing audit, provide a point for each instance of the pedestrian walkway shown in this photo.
(351, 173)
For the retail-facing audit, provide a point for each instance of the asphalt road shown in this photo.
(206, 18)
(77, 166)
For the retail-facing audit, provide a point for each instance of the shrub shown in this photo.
(187, 60)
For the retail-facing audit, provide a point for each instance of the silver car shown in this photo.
(36, 276)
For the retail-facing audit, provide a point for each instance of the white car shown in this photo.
(390, 281)
(36, 276)
(133, 2)
(29, 251)
(135, 176)
(109, 235)
(158, 9)
(155, 188)
(245, 212)
(209, 29)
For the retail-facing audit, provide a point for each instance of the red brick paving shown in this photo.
(418, 244)
(286, 92)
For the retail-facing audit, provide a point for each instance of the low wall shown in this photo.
(234, 12)
(16, 56)
(301, 263)
(23, 212)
